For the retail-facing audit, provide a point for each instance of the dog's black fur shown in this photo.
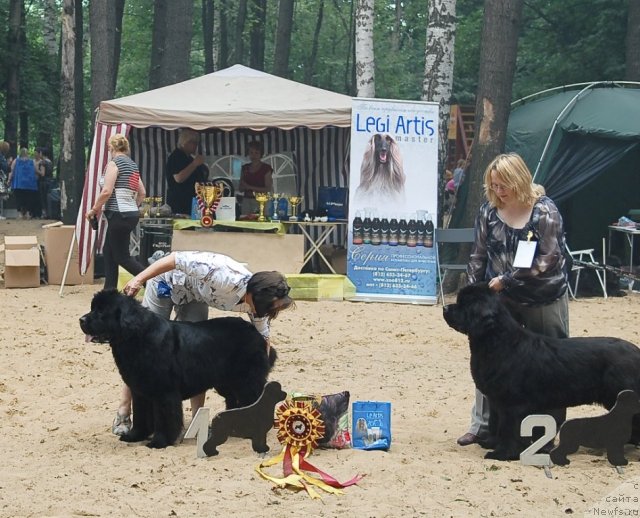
(165, 362)
(252, 422)
(610, 431)
(525, 373)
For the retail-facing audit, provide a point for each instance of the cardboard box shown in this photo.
(21, 262)
(56, 248)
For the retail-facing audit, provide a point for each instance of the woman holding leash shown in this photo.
(519, 248)
(192, 282)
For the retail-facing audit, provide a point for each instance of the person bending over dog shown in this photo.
(190, 283)
(517, 210)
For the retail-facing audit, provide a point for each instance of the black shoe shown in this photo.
(467, 439)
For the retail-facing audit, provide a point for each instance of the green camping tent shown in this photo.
(582, 143)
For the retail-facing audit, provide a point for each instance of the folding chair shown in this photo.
(450, 235)
(584, 259)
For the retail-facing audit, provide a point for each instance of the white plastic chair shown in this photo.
(584, 259)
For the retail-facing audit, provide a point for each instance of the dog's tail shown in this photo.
(273, 356)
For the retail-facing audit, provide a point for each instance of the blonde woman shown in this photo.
(121, 195)
(517, 211)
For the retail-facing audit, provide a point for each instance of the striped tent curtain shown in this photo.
(321, 156)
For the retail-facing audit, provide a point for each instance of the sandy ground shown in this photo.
(58, 397)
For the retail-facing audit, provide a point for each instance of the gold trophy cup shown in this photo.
(261, 198)
(208, 197)
(294, 201)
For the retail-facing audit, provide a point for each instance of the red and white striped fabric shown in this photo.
(98, 160)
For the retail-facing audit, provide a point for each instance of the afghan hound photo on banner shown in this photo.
(382, 176)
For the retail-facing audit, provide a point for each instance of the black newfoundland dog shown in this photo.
(525, 373)
(165, 362)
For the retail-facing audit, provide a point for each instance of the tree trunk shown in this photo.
(397, 24)
(258, 21)
(501, 27)
(364, 63)
(78, 153)
(176, 64)
(68, 112)
(158, 43)
(207, 35)
(223, 31)
(633, 42)
(241, 18)
(171, 42)
(50, 22)
(117, 43)
(102, 24)
(310, 69)
(14, 65)
(283, 38)
(438, 70)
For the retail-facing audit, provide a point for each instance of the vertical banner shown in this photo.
(393, 200)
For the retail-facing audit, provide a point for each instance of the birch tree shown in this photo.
(71, 160)
(438, 69)
(365, 63)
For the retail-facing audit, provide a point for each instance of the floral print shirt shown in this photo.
(495, 248)
(214, 279)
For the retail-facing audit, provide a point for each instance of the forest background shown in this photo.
(62, 57)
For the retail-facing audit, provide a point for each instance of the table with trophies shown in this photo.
(325, 229)
(262, 241)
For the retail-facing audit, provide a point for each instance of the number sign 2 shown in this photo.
(530, 456)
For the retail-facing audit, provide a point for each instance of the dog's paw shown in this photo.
(559, 460)
(133, 436)
(488, 443)
(157, 444)
(501, 455)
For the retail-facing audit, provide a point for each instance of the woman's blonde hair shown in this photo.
(119, 143)
(515, 175)
(4, 147)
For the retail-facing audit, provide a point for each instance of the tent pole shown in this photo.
(560, 116)
(66, 266)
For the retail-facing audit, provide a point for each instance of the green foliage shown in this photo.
(561, 43)
(135, 54)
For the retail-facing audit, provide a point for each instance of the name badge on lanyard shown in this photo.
(525, 252)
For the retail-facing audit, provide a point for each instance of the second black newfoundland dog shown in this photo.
(165, 362)
(525, 373)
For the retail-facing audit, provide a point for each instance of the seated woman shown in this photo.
(256, 176)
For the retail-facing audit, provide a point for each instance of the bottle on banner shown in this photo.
(366, 227)
(376, 237)
(384, 231)
(393, 231)
(357, 236)
(403, 231)
(412, 236)
(428, 232)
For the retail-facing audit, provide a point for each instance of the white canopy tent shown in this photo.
(231, 108)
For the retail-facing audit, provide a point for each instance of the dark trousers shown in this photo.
(116, 249)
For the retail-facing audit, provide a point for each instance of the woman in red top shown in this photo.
(256, 176)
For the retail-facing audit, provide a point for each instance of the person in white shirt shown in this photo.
(192, 282)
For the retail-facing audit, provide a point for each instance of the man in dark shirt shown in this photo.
(183, 171)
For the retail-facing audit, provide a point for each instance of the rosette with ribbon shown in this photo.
(300, 427)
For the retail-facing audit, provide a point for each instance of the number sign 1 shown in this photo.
(199, 428)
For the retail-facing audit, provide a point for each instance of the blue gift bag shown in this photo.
(371, 422)
(334, 201)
